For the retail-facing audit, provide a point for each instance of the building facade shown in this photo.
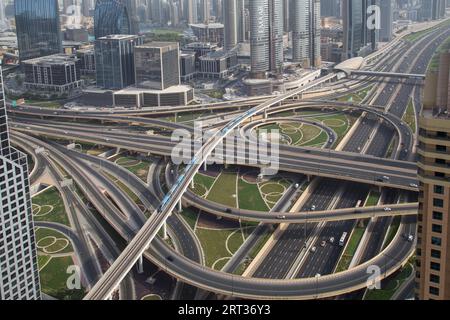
(19, 272)
(266, 37)
(306, 32)
(55, 73)
(38, 28)
(230, 21)
(114, 60)
(433, 241)
(114, 17)
(157, 65)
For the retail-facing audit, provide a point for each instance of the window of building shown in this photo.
(436, 228)
(436, 241)
(441, 148)
(435, 253)
(434, 291)
(437, 215)
(435, 266)
(439, 189)
(434, 278)
(438, 203)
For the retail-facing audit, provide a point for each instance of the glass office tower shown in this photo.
(38, 28)
(114, 59)
(114, 17)
(19, 275)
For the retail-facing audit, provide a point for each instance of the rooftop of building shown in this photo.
(173, 89)
(55, 59)
(159, 44)
(206, 45)
(118, 37)
(209, 25)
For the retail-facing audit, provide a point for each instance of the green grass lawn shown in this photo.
(50, 197)
(390, 285)
(350, 249)
(54, 278)
(202, 184)
(250, 197)
(223, 190)
(372, 199)
(410, 116)
(213, 243)
(42, 233)
(136, 166)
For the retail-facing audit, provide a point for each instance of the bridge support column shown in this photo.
(192, 184)
(176, 117)
(180, 206)
(309, 177)
(205, 166)
(265, 114)
(140, 265)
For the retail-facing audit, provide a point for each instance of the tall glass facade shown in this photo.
(38, 28)
(114, 17)
(157, 66)
(114, 58)
(354, 27)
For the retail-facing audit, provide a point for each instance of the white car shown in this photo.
(386, 178)
(332, 240)
(387, 209)
(410, 238)
(313, 249)
(413, 185)
(281, 217)
(313, 207)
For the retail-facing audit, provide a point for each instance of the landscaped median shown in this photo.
(357, 234)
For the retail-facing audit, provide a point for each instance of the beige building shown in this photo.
(433, 242)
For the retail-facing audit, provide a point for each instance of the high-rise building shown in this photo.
(306, 32)
(38, 28)
(329, 8)
(433, 245)
(19, 272)
(230, 20)
(266, 37)
(387, 20)
(4, 24)
(359, 40)
(114, 59)
(157, 65)
(115, 17)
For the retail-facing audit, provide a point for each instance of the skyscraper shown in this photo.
(433, 245)
(4, 24)
(387, 20)
(306, 32)
(19, 272)
(266, 36)
(359, 40)
(114, 17)
(230, 21)
(38, 28)
(114, 60)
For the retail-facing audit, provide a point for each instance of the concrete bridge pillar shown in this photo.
(265, 114)
(140, 265)
(192, 184)
(309, 177)
(180, 206)
(205, 166)
(176, 117)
